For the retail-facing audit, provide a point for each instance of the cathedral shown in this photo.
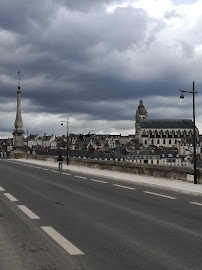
(161, 132)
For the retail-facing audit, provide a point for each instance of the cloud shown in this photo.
(97, 59)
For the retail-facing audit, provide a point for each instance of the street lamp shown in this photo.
(27, 140)
(67, 122)
(194, 128)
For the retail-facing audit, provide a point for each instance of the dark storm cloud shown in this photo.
(20, 15)
(82, 5)
(64, 53)
(77, 59)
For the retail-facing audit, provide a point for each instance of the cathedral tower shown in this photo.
(141, 113)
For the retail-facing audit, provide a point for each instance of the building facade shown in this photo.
(161, 132)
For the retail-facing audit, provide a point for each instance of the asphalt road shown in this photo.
(52, 220)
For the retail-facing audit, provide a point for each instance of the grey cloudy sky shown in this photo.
(94, 60)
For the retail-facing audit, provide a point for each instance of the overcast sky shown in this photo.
(94, 60)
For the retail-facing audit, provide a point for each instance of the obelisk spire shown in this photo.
(18, 132)
(18, 120)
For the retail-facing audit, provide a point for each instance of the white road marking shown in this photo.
(2, 189)
(66, 173)
(45, 169)
(160, 195)
(37, 167)
(196, 203)
(54, 171)
(10, 197)
(123, 186)
(99, 181)
(28, 212)
(82, 177)
(63, 242)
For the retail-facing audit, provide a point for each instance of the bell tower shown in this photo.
(141, 113)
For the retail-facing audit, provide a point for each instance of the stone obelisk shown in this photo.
(18, 138)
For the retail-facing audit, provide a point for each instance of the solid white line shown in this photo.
(99, 181)
(160, 195)
(66, 173)
(63, 242)
(82, 177)
(10, 197)
(28, 212)
(122, 186)
(2, 189)
(196, 203)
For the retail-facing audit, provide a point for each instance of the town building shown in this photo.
(161, 132)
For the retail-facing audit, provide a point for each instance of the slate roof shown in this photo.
(166, 123)
(190, 140)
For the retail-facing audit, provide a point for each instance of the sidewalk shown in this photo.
(175, 185)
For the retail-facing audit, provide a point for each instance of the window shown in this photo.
(170, 141)
(152, 161)
(158, 141)
(145, 142)
(146, 161)
(164, 141)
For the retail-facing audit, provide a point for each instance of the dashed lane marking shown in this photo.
(2, 189)
(99, 181)
(160, 195)
(123, 187)
(63, 242)
(54, 171)
(82, 177)
(45, 169)
(196, 203)
(10, 197)
(28, 212)
(66, 173)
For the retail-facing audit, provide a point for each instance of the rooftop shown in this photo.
(167, 123)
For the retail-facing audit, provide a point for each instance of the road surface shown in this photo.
(66, 220)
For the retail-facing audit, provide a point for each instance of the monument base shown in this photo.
(18, 153)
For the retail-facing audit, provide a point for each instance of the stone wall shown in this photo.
(178, 173)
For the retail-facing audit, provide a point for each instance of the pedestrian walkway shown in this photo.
(176, 185)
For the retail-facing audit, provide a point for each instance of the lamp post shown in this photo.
(194, 128)
(27, 139)
(67, 122)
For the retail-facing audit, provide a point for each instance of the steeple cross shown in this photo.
(19, 79)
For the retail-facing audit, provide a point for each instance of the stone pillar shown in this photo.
(18, 138)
